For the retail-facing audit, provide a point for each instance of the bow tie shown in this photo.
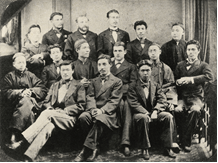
(66, 81)
(144, 85)
(188, 63)
(58, 31)
(116, 30)
(104, 78)
(142, 41)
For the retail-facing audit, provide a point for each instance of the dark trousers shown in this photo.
(187, 121)
(125, 120)
(141, 129)
(86, 123)
(23, 115)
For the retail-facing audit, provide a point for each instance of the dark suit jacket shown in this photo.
(74, 99)
(50, 38)
(173, 54)
(106, 41)
(106, 97)
(126, 72)
(49, 75)
(91, 38)
(137, 100)
(200, 72)
(135, 52)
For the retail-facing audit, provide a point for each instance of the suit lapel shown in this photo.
(106, 85)
(53, 70)
(109, 36)
(138, 45)
(55, 93)
(152, 92)
(120, 35)
(141, 91)
(194, 67)
(53, 36)
(146, 45)
(71, 89)
(122, 67)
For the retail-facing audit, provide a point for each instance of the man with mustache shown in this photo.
(103, 97)
(57, 35)
(81, 33)
(107, 38)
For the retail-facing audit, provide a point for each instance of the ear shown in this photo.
(125, 51)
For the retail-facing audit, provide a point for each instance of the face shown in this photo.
(66, 72)
(57, 21)
(145, 73)
(84, 50)
(141, 31)
(154, 52)
(119, 52)
(56, 54)
(113, 19)
(177, 32)
(83, 23)
(34, 35)
(103, 67)
(192, 52)
(20, 63)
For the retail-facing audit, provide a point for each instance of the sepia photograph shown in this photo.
(108, 80)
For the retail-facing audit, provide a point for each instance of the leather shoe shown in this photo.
(94, 155)
(81, 157)
(170, 153)
(27, 159)
(187, 149)
(126, 151)
(14, 145)
(145, 154)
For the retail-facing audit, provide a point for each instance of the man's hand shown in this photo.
(154, 114)
(184, 80)
(96, 112)
(37, 56)
(85, 82)
(26, 93)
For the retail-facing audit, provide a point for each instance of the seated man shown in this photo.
(23, 90)
(190, 76)
(64, 103)
(51, 73)
(127, 73)
(103, 97)
(147, 102)
(84, 68)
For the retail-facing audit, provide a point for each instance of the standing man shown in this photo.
(23, 90)
(147, 102)
(57, 35)
(190, 76)
(64, 103)
(127, 73)
(137, 49)
(103, 98)
(107, 38)
(173, 51)
(81, 33)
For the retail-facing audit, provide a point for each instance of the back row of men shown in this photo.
(110, 94)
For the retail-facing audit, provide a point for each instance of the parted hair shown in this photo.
(54, 46)
(195, 42)
(104, 56)
(66, 63)
(120, 43)
(112, 11)
(140, 22)
(54, 14)
(179, 24)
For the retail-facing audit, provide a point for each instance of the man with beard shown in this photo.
(137, 49)
(107, 38)
(57, 35)
(81, 33)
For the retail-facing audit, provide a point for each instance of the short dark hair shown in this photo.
(120, 43)
(179, 24)
(104, 56)
(140, 22)
(54, 14)
(66, 63)
(54, 46)
(33, 26)
(195, 42)
(144, 62)
(112, 11)
(154, 44)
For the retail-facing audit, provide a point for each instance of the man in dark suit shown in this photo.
(51, 73)
(103, 98)
(138, 49)
(57, 35)
(107, 38)
(64, 103)
(23, 91)
(127, 73)
(190, 76)
(173, 51)
(82, 32)
(148, 102)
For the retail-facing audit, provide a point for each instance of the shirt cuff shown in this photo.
(192, 80)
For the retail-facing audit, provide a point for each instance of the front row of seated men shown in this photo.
(121, 95)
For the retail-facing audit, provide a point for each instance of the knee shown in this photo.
(196, 109)
(142, 117)
(84, 117)
(46, 113)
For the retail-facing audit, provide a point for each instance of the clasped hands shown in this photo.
(95, 112)
(85, 82)
(37, 56)
(26, 93)
(183, 81)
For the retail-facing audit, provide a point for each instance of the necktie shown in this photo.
(114, 34)
(104, 79)
(142, 41)
(118, 65)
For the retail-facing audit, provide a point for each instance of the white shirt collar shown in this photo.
(119, 61)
